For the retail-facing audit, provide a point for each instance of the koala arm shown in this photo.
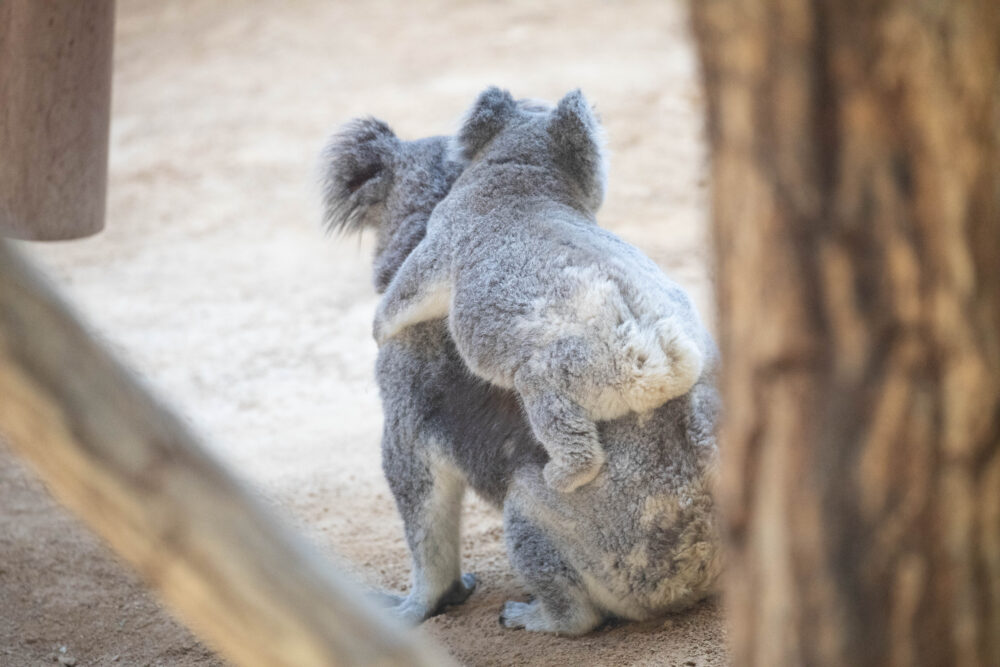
(420, 291)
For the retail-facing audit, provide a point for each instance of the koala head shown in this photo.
(372, 179)
(566, 138)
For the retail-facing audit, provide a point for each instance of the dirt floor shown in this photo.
(215, 283)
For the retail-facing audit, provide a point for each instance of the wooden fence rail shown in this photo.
(136, 474)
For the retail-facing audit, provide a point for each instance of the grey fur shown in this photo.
(539, 299)
(639, 541)
(491, 112)
(372, 180)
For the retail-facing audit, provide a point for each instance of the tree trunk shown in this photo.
(856, 175)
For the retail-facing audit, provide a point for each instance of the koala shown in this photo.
(539, 299)
(640, 541)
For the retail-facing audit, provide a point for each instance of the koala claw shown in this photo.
(567, 476)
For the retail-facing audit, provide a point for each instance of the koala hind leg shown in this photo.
(564, 428)
(561, 604)
(428, 492)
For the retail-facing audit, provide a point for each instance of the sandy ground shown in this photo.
(214, 282)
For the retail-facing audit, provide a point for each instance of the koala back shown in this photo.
(429, 396)
(643, 535)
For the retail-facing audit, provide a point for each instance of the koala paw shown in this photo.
(415, 609)
(378, 330)
(568, 474)
(514, 614)
(457, 594)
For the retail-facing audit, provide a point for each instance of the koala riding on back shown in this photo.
(638, 542)
(539, 298)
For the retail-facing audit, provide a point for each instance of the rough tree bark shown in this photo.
(856, 171)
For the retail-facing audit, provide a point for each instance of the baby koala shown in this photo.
(580, 324)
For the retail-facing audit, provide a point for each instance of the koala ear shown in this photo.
(356, 172)
(579, 144)
(488, 115)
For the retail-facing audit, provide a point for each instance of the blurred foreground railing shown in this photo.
(136, 474)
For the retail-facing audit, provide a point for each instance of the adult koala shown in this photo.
(638, 541)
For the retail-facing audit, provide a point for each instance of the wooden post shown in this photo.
(135, 474)
(856, 175)
(55, 103)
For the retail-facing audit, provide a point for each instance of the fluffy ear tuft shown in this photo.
(356, 172)
(579, 143)
(492, 110)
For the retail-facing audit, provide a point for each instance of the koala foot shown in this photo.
(516, 615)
(413, 610)
(457, 594)
(568, 473)
(531, 616)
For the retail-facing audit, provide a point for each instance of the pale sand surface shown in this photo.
(214, 282)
